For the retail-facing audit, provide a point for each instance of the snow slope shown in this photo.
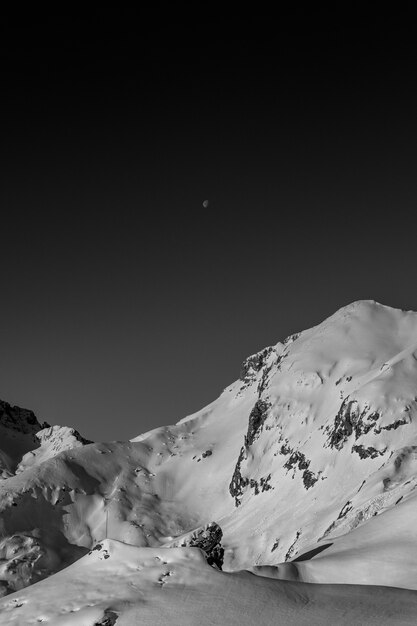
(303, 470)
(126, 585)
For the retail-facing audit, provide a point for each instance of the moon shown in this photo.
(205, 204)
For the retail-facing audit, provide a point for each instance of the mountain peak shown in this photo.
(304, 469)
(18, 419)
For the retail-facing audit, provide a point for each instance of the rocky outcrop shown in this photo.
(366, 453)
(253, 365)
(275, 546)
(291, 550)
(261, 485)
(238, 482)
(257, 418)
(309, 479)
(349, 420)
(298, 460)
(18, 430)
(208, 538)
(393, 425)
(21, 420)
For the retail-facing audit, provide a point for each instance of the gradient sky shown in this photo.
(125, 303)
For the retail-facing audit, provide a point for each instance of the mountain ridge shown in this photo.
(304, 469)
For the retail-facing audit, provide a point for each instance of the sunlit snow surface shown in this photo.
(127, 585)
(307, 463)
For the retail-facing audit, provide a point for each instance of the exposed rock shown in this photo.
(207, 538)
(386, 482)
(263, 383)
(256, 420)
(109, 618)
(19, 419)
(238, 482)
(291, 549)
(257, 417)
(309, 479)
(350, 419)
(393, 426)
(262, 485)
(275, 546)
(253, 364)
(297, 458)
(291, 339)
(343, 512)
(18, 429)
(365, 453)
(285, 449)
(345, 509)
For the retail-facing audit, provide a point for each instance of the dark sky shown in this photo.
(126, 304)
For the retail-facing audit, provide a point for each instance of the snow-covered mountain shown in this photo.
(18, 428)
(303, 470)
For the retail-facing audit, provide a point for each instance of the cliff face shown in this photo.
(18, 428)
(17, 419)
(295, 464)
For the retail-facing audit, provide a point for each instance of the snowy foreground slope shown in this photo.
(303, 471)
